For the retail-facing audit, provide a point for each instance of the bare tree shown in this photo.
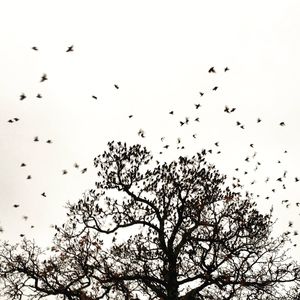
(151, 230)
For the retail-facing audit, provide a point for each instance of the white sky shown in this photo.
(158, 52)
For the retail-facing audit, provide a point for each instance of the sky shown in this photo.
(158, 53)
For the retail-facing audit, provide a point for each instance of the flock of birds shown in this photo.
(179, 145)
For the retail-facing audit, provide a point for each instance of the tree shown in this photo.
(190, 236)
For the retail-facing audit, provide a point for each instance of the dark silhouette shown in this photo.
(178, 232)
(70, 49)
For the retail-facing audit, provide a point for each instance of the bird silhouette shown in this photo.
(34, 48)
(76, 165)
(22, 96)
(70, 48)
(212, 70)
(43, 194)
(282, 124)
(116, 86)
(226, 69)
(171, 112)
(16, 205)
(16, 119)
(28, 177)
(10, 121)
(251, 145)
(23, 165)
(44, 77)
(25, 218)
(83, 170)
(296, 179)
(39, 96)
(130, 116)
(49, 142)
(36, 139)
(258, 120)
(215, 88)
(197, 119)
(197, 105)
(64, 172)
(201, 94)
(95, 97)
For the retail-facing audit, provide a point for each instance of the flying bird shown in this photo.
(44, 78)
(130, 116)
(197, 105)
(49, 141)
(34, 48)
(10, 121)
(22, 96)
(64, 172)
(171, 112)
(212, 70)
(16, 205)
(296, 179)
(83, 170)
(226, 69)
(70, 48)
(282, 124)
(215, 88)
(258, 120)
(39, 96)
(76, 165)
(95, 97)
(28, 177)
(36, 139)
(43, 194)
(16, 119)
(23, 165)
(116, 86)
(201, 94)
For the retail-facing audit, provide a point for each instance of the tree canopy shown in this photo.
(155, 230)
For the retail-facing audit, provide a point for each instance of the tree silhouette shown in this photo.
(155, 230)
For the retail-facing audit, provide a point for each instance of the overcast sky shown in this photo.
(159, 54)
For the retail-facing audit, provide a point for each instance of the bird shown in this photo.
(1, 229)
(116, 86)
(34, 48)
(43, 194)
(197, 105)
(251, 145)
(76, 165)
(217, 144)
(25, 218)
(226, 109)
(226, 69)
(23, 165)
(10, 121)
(49, 141)
(258, 120)
(141, 133)
(16, 119)
(171, 112)
(181, 123)
(36, 139)
(22, 96)
(83, 170)
(296, 179)
(279, 179)
(70, 48)
(197, 119)
(95, 97)
(39, 96)
(212, 70)
(28, 177)
(238, 123)
(16, 205)
(22, 235)
(282, 124)
(64, 172)
(194, 135)
(44, 77)
(201, 94)
(130, 116)
(215, 88)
